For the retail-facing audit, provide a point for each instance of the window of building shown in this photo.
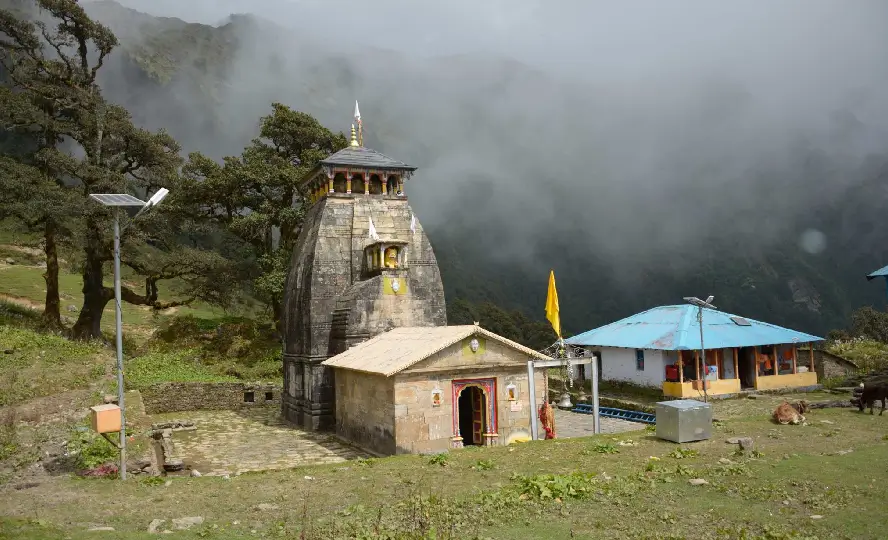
(639, 359)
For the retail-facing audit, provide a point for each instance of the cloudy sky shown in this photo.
(647, 112)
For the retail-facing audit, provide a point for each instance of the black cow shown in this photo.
(872, 392)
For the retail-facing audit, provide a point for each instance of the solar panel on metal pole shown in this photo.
(117, 201)
(700, 305)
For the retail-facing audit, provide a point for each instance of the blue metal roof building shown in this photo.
(675, 328)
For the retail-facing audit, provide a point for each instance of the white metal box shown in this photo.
(684, 420)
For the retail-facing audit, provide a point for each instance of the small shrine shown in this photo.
(431, 389)
(385, 255)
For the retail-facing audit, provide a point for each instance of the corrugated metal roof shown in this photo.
(358, 156)
(881, 272)
(673, 328)
(400, 348)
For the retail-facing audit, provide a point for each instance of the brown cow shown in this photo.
(791, 414)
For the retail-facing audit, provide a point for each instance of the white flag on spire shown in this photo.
(357, 113)
(412, 223)
(372, 231)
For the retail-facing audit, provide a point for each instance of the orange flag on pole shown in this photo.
(552, 314)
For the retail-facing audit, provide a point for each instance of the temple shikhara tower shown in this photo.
(362, 266)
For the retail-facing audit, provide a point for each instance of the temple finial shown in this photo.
(354, 139)
(360, 125)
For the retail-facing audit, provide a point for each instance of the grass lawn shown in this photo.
(25, 285)
(34, 365)
(823, 480)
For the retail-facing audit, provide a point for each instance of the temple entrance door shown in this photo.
(472, 420)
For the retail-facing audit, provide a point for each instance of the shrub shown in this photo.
(174, 366)
(92, 450)
(868, 354)
(556, 486)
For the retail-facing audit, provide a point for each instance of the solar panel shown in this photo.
(117, 199)
(740, 321)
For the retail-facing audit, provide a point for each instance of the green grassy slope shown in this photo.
(801, 482)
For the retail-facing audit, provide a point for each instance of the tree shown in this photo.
(870, 323)
(85, 146)
(256, 195)
(513, 325)
(50, 81)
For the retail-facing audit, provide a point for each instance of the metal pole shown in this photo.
(119, 328)
(531, 385)
(596, 419)
(703, 354)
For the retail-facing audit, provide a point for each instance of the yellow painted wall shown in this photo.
(773, 382)
(716, 388)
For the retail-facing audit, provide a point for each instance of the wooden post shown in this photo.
(348, 182)
(736, 364)
(697, 363)
(795, 359)
(681, 371)
(775, 359)
(811, 349)
(755, 366)
(385, 182)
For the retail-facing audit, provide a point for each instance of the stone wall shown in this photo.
(175, 397)
(365, 410)
(829, 365)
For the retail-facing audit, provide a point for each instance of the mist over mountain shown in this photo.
(645, 151)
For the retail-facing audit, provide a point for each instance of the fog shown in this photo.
(634, 129)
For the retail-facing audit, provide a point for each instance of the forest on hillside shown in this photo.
(778, 224)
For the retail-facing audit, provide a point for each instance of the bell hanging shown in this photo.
(581, 395)
(565, 403)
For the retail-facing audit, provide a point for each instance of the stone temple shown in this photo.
(367, 351)
(362, 265)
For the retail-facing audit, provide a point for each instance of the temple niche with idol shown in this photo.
(367, 352)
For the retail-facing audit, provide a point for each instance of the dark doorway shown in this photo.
(358, 183)
(746, 366)
(472, 420)
(375, 185)
(339, 183)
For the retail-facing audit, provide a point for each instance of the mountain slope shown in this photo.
(635, 195)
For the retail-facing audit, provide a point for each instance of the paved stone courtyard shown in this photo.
(231, 442)
(570, 424)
